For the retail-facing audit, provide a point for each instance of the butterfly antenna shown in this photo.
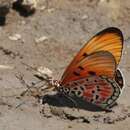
(42, 76)
(20, 77)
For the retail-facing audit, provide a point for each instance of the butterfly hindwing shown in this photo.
(110, 39)
(98, 63)
(98, 90)
(119, 78)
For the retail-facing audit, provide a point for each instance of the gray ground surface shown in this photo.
(67, 25)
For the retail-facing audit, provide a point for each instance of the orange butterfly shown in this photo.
(93, 74)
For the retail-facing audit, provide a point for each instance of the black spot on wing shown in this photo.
(97, 86)
(97, 96)
(81, 68)
(76, 73)
(91, 72)
(85, 54)
(93, 91)
(91, 100)
(95, 80)
(82, 88)
(75, 88)
(73, 92)
(78, 92)
(75, 83)
(86, 79)
(98, 89)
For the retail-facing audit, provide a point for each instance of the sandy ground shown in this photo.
(65, 26)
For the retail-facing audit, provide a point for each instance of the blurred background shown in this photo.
(49, 33)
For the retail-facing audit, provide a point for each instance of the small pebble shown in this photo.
(51, 10)
(15, 37)
(84, 17)
(41, 39)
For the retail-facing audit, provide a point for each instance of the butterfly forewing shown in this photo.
(110, 39)
(98, 63)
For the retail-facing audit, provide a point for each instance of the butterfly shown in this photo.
(93, 74)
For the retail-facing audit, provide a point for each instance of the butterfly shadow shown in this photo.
(59, 100)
